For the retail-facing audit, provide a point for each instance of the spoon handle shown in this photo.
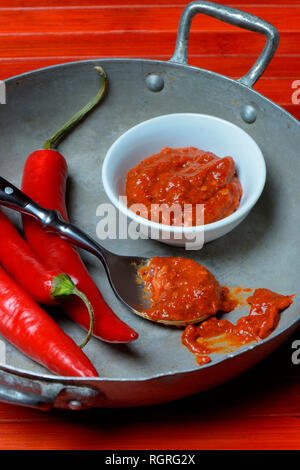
(50, 220)
(12, 197)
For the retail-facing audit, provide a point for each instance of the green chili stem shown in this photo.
(60, 134)
(88, 304)
(62, 288)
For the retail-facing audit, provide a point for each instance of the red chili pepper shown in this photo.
(24, 324)
(44, 180)
(44, 285)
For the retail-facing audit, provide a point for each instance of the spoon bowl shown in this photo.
(123, 275)
(122, 271)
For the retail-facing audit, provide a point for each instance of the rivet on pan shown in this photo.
(155, 82)
(75, 404)
(249, 113)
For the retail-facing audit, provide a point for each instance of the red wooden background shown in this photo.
(37, 33)
(261, 409)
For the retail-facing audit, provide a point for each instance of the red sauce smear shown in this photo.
(215, 335)
(182, 290)
(184, 176)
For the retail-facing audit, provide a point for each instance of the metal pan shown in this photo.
(263, 251)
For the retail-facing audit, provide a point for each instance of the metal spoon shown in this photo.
(122, 271)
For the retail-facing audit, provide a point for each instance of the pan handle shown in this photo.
(14, 396)
(235, 17)
(45, 395)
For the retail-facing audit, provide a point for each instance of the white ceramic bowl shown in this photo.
(205, 132)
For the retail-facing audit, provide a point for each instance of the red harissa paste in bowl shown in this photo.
(186, 176)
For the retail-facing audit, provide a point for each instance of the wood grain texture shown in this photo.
(139, 44)
(108, 3)
(260, 409)
(136, 18)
